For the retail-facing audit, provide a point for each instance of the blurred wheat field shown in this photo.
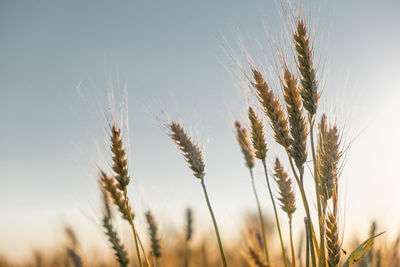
(314, 150)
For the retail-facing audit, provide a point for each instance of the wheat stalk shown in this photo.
(121, 176)
(243, 139)
(188, 234)
(194, 157)
(310, 96)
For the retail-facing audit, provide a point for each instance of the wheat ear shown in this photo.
(332, 240)
(287, 200)
(190, 151)
(287, 197)
(309, 84)
(120, 167)
(242, 137)
(272, 109)
(257, 135)
(328, 156)
(154, 240)
(298, 125)
(119, 249)
(109, 185)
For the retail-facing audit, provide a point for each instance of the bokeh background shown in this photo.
(59, 59)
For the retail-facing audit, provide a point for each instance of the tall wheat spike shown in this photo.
(120, 168)
(272, 109)
(194, 157)
(190, 151)
(309, 84)
(310, 96)
(278, 121)
(298, 126)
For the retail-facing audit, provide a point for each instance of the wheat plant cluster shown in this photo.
(307, 138)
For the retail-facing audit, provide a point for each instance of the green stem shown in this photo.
(322, 260)
(276, 214)
(260, 216)
(291, 243)
(221, 249)
(133, 229)
(308, 241)
(306, 207)
(144, 252)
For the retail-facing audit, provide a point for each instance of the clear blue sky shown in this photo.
(169, 52)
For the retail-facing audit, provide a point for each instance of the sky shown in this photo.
(59, 60)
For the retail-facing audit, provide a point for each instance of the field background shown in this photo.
(58, 60)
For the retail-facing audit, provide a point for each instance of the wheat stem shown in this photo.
(319, 205)
(276, 213)
(261, 218)
(322, 257)
(291, 243)
(221, 249)
(308, 242)
(188, 237)
(306, 207)
(135, 235)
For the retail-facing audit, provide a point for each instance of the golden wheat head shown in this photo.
(242, 136)
(272, 109)
(189, 150)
